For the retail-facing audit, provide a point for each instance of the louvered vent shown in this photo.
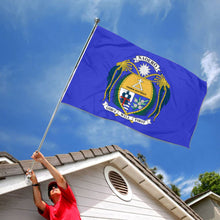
(118, 182)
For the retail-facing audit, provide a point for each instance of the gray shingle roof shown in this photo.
(189, 200)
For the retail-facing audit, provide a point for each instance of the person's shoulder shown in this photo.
(66, 190)
(46, 211)
(68, 194)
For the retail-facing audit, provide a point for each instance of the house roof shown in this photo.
(6, 158)
(123, 159)
(201, 196)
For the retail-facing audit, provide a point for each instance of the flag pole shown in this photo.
(97, 20)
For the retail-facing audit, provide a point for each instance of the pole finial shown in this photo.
(97, 20)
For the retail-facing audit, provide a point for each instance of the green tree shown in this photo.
(154, 170)
(142, 159)
(207, 181)
(175, 189)
(160, 176)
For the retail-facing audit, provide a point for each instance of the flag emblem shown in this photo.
(138, 88)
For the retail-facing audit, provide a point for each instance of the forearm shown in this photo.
(55, 173)
(37, 195)
(38, 156)
(35, 186)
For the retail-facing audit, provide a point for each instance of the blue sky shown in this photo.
(40, 44)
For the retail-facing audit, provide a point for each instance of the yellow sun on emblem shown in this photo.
(144, 70)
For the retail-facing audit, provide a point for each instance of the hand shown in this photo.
(33, 177)
(38, 156)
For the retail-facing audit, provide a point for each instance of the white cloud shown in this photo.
(212, 103)
(23, 12)
(178, 180)
(203, 29)
(106, 10)
(25, 140)
(52, 85)
(183, 183)
(166, 176)
(186, 186)
(16, 11)
(203, 35)
(211, 70)
(155, 7)
(101, 132)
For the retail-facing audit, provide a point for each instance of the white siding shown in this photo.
(97, 201)
(18, 205)
(206, 209)
(94, 197)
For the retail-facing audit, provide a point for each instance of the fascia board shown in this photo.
(211, 194)
(13, 183)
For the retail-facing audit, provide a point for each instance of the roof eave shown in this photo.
(208, 194)
(15, 182)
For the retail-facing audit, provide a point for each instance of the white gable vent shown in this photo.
(117, 183)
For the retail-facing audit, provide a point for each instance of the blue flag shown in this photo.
(119, 81)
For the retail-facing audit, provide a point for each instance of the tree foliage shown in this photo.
(175, 189)
(207, 181)
(142, 159)
(154, 170)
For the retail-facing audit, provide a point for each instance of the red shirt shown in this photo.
(65, 209)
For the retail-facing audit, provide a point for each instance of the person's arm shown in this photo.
(36, 191)
(39, 157)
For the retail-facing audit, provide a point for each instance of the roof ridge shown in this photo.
(196, 196)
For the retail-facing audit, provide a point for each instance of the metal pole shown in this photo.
(67, 85)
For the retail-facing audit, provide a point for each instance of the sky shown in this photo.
(40, 42)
